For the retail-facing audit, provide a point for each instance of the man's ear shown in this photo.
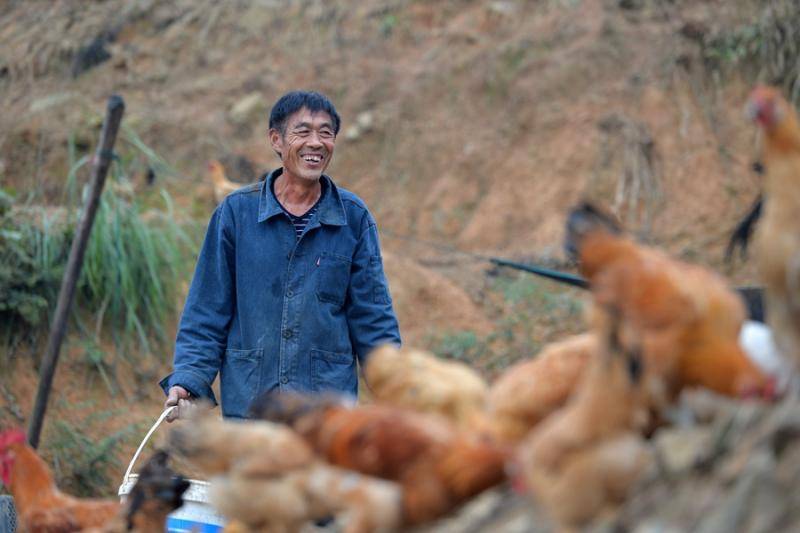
(276, 141)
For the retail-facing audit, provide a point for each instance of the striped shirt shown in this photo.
(302, 221)
(299, 222)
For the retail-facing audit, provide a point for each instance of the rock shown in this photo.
(247, 108)
(352, 133)
(656, 526)
(364, 123)
(51, 100)
(681, 449)
(503, 8)
(365, 120)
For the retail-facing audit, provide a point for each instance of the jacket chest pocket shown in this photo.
(333, 278)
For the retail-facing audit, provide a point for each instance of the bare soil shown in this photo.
(481, 123)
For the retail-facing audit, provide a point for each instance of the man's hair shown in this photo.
(294, 101)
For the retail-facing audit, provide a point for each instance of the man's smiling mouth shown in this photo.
(312, 158)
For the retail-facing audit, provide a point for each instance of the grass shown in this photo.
(505, 68)
(768, 48)
(462, 346)
(32, 260)
(535, 312)
(136, 255)
(81, 464)
(131, 269)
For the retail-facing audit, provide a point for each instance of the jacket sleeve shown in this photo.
(370, 316)
(203, 329)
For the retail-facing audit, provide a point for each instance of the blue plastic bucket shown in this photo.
(196, 514)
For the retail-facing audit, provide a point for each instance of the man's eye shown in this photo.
(301, 133)
(326, 134)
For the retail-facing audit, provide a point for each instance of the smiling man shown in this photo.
(289, 291)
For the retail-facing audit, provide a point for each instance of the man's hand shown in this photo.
(180, 397)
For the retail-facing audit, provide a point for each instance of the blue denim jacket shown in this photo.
(270, 311)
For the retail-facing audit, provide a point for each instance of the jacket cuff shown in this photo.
(190, 381)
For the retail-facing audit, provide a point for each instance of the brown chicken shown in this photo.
(158, 491)
(777, 237)
(437, 466)
(580, 462)
(527, 392)
(222, 185)
(686, 316)
(266, 478)
(420, 381)
(41, 507)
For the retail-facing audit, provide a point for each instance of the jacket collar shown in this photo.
(330, 210)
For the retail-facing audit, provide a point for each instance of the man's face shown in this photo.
(306, 147)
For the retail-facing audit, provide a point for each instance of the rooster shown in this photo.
(527, 392)
(420, 381)
(777, 238)
(40, 505)
(687, 317)
(222, 185)
(265, 478)
(582, 460)
(437, 467)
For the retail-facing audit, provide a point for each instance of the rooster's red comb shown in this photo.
(11, 436)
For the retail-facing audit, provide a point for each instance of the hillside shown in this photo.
(469, 128)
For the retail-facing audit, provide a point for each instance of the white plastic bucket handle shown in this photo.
(161, 418)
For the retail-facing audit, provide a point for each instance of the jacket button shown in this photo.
(287, 334)
(284, 380)
(289, 294)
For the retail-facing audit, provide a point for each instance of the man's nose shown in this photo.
(314, 139)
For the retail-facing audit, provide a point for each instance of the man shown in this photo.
(289, 289)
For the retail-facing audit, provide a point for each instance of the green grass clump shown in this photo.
(535, 312)
(135, 258)
(768, 47)
(83, 466)
(132, 268)
(32, 259)
(464, 346)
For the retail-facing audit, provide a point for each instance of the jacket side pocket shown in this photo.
(332, 371)
(239, 379)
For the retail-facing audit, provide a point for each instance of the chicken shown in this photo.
(266, 478)
(284, 503)
(687, 317)
(777, 237)
(530, 390)
(581, 461)
(158, 491)
(41, 507)
(420, 381)
(222, 185)
(437, 466)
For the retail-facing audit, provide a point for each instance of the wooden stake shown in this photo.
(102, 160)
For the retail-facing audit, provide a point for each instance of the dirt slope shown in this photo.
(472, 123)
